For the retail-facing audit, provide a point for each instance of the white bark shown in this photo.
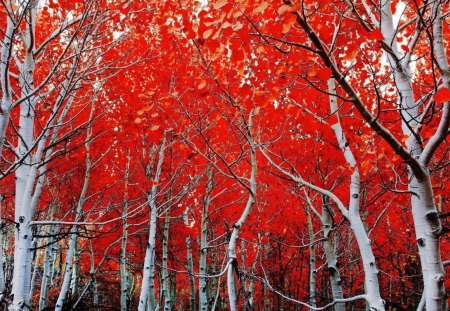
(203, 281)
(165, 256)
(312, 262)
(2, 272)
(373, 296)
(148, 275)
(95, 299)
(232, 265)
(49, 256)
(27, 195)
(124, 276)
(25, 174)
(74, 232)
(75, 271)
(335, 276)
(6, 53)
(426, 222)
(35, 269)
(190, 265)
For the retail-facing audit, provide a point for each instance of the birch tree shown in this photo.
(148, 275)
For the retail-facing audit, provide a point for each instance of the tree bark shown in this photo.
(190, 264)
(74, 232)
(148, 275)
(232, 265)
(203, 281)
(312, 262)
(333, 270)
(124, 277)
(165, 257)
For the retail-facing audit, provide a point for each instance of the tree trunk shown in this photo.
(312, 262)
(165, 257)
(49, 256)
(74, 281)
(148, 275)
(25, 178)
(203, 281)
(373, 296)
(2, 272)
(335, 276)
(232, 264)
(426, 222)
(124, 281)
(74, 232)
(35, 269)
(95, 300)
(190, 264)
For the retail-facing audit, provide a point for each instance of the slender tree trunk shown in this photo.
(25, 178)
(74, 284)
(312, 262)
(124, 280)
(243, 275)
(49, 256)
(67, 270)
(232, 265)
(6, 57)
(2, 259)
(74, 232)
(35, 269)
(165, 255)
(190, 264)
(373, 296)
(335, 276)
(95, 299)
(203, 281)
(173, 287)
(426, 222)
(148, 275)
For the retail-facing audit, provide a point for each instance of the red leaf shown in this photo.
(324, 73)
(405, 48)
(375, 35)
(442, 96)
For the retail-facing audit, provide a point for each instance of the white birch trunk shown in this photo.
(190, 264)
(251, 287)
(95, 299)
(373, 296)
(35, 269)
(232, 265)
(6, 55)
(426, 221)
(67, 270)
(25, 174)
(124, 276)
(75, 271)
(335, 276)
(49, 255)
(203, 281)
(2, 260)
(148, 275)
(165, 255)
(74, 232)
(49, 258)
(312, 262)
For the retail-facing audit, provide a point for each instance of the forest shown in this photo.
(224, 155)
